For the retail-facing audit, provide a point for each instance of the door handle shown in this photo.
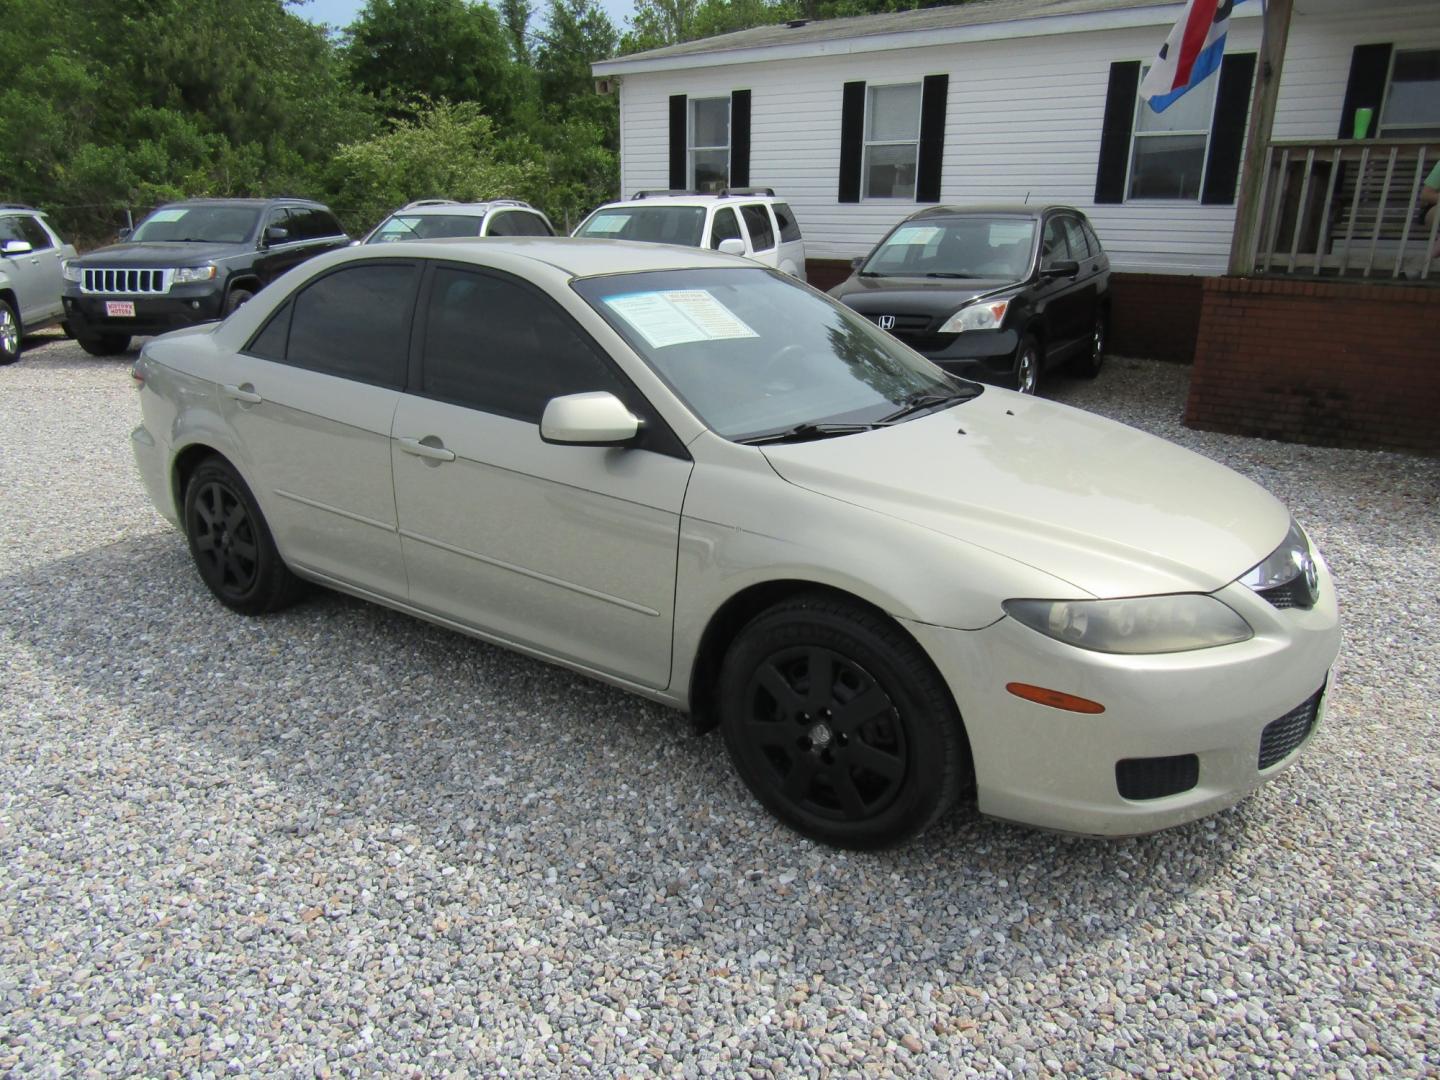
(429, 447)
(244, 393)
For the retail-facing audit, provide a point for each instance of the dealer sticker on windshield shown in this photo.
(915, 234)
(678, 316)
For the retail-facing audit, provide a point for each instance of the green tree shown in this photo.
(515, 18)
(450, 50)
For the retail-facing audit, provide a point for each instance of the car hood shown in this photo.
(935, 297)
(1111, 510)
(161, 253)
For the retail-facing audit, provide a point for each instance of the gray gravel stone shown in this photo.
(339, 842)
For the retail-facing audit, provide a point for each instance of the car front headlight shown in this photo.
(70, 271)
(1142, 624)
(986, 315)
(188, 274)
(1289, 569)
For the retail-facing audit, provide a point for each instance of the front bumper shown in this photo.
(987, 355)
(153, 314)
(1054, 769)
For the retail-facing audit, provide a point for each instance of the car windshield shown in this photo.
(650, 224)
(425, 227)
(971, 246)
(756, 355)
(199, 224)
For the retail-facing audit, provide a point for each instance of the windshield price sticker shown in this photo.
(679, 316)
(610, 223)
(1010, 232)
(168, 215)
(915, 234)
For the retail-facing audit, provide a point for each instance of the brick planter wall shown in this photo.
(1324, 363)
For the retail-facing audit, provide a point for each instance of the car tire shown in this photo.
(237, 299)
(105, 344)
(1029, 359)
(867, 761)
(231, 543)
(9, 334)
(65, 329)
(1087, 365)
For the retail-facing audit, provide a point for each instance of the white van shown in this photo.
(741, 221)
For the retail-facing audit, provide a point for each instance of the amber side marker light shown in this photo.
(1054, 698)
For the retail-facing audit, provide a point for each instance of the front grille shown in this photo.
(1156, 777)
(906, 324)
(136, 282)
(1283, 737)
(1294, 593)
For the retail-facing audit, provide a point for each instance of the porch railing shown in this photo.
(1345, 208)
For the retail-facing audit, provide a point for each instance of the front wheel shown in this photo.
(237, 299)
(105, 344)
(9, 334)
(839, 724)
(1026, 371)
(231, 543)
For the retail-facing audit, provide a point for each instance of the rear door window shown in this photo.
(1079, 247)
(757, 221)
(355, 323)
(789, 227)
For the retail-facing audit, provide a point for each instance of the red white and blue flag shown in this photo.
(1191, 52)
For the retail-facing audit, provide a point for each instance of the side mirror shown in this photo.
(124, 233)
(732, 247)
(276, 234)
(1061, 268)
(597, 418)
(858, 261)
(16, 247)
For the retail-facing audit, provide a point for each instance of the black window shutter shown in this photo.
(1115, 131)
(932, 137)
(1227, 128)
(740, 138)
(1369, 68)
(852, 138)
(678, 116)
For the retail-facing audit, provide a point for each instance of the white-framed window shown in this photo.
(892, 141)
(709, 149)
(1168, 149)
(1412, 97)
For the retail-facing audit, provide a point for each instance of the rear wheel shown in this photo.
(9, 334)
(231, 543)
(1028, 359)
(1087, 364)
(839, 725)
(104, 344)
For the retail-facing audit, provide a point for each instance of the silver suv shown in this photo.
(736, 221)
(429, 219)
(30, 280)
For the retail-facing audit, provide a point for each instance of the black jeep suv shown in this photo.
(190, 262)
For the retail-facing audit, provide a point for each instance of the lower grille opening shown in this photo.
(1283, 737)
(1156, 777)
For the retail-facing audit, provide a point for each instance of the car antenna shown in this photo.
(1027, 198)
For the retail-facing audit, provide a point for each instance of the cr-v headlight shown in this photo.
(986, 315)
(1142, 624)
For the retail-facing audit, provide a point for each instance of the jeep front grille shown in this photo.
(135, 282)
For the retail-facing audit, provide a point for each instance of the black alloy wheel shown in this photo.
(839, 724)
(231, 543)
(1028, 360)
(1087, 365)
(9, 334)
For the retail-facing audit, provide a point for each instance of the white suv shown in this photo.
(427, 219)
(738, 221)
(30, 281)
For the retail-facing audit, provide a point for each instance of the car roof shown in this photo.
(1029, 210)
(257, 203)
(575, 256)
(461, 209)
(692, 199)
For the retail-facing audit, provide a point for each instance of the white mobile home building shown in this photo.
(859, 122)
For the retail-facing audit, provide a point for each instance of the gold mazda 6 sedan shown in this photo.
(703, 481)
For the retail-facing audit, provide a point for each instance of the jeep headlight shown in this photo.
(1142, 624)
(188, 274)
(986, 315)
(70, 271)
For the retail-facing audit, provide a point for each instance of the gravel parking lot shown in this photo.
(339, 841)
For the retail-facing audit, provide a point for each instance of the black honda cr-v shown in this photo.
(190, 262)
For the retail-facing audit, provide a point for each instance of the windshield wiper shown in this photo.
(872, 273)
(923, 400)
(806, 433)
(946, 274)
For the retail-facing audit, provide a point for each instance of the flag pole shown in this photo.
(1274, 34)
